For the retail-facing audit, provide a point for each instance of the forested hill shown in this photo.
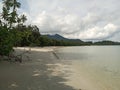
(59, 37)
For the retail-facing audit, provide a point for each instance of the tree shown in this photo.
(6, 41)
(9, 14)
(9, 34)
(23, 18)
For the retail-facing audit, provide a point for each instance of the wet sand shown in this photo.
(42, 72)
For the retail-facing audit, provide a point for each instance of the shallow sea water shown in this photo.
(92, 67)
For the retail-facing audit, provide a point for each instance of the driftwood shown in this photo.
(12, 57)
(1, 57)
(17, 58)
(55, 55)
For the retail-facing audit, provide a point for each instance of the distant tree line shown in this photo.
(106, 42)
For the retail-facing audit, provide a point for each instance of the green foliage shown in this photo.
(6, 41)
(9, 14)
(27, 35)
(9, 34)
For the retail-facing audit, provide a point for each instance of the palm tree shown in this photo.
(7, 4)
(15, 5)
(10, 17)
(23, 18)
(14, 16)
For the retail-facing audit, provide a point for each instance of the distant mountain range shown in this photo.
(80, 42)
(56, 37)
(59, 37)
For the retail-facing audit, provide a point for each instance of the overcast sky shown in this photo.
(82, 19)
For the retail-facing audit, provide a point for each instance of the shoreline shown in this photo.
(40, 49)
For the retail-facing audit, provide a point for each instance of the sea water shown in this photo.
(92, 67)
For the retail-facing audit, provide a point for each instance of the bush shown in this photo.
(6, 41)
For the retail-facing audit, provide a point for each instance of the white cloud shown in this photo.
(72, 26)
(57, 23)
(98, 33)
(91, 18)
(110, 27)
(1, 7)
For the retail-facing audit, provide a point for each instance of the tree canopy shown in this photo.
(9, 34)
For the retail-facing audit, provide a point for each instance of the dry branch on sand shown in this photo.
(12, 57)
